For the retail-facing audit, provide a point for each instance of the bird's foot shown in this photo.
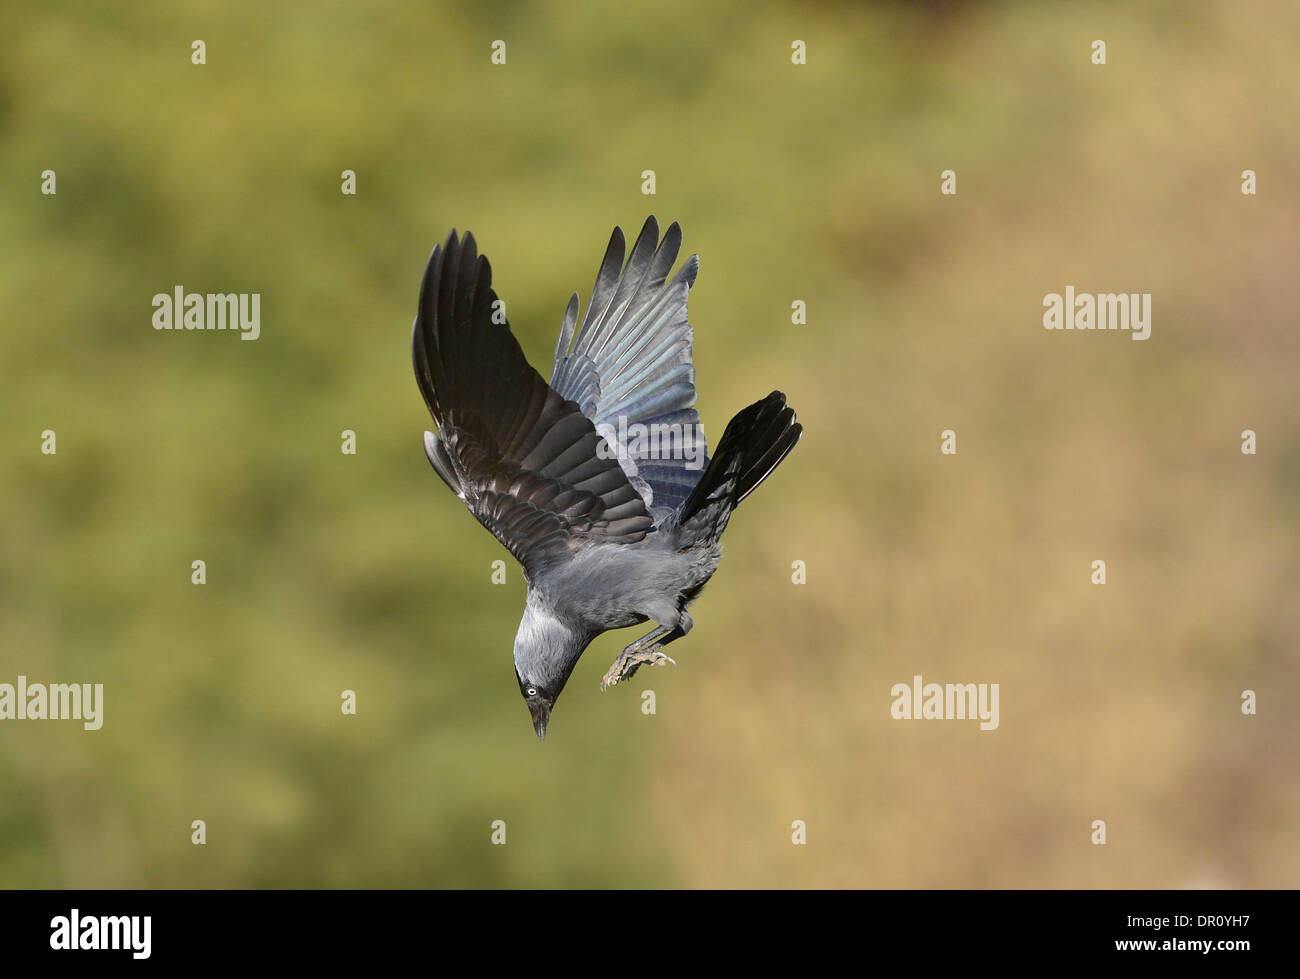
(630, 659)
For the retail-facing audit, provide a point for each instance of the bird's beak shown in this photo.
(541, 717)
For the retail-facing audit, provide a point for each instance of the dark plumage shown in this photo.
(612, 526)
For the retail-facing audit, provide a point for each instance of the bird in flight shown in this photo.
(599, 483)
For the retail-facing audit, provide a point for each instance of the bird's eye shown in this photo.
(531, 691)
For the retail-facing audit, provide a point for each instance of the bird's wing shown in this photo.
(522, 458)
(630, 364)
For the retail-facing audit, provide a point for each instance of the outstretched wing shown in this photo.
(630, 365)
(522, 458)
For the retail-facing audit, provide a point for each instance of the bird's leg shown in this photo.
(647, 649)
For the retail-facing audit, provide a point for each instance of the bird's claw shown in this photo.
(628, 662)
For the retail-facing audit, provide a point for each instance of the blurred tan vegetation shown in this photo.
(329, 572)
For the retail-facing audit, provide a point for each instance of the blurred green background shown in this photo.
(819, 182)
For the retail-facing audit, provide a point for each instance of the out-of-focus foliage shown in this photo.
(329, 572)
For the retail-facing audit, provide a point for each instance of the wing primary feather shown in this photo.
(519, 454)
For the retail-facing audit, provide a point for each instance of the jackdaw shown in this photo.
(598, 483)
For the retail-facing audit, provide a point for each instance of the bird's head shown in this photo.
(546, 651)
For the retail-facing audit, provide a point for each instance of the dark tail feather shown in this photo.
(753, 445)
